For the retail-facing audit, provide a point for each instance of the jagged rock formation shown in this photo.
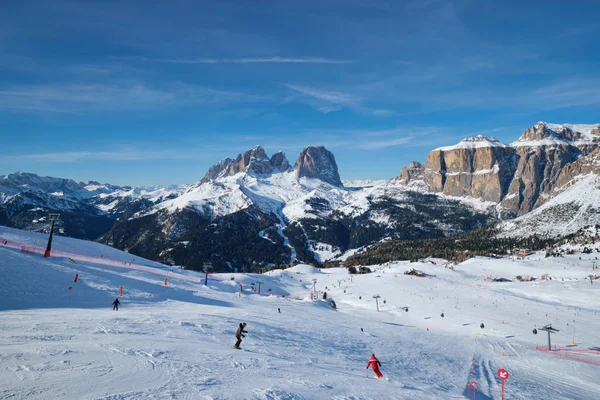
(313, 162)
(255, 159)
(413, 172)
(280, 162)
(318, 162)
(520, 176)
(589, 164)
(542, 153)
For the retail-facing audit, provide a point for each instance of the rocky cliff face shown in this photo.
(318, 162)
(520, 176)
(542, 153)
(586, 165)
(478, 167)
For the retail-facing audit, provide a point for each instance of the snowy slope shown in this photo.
(178, 345)
(577, 207)
(280, 193)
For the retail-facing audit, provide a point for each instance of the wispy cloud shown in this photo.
(364, 139)
(246, 60)
(77, 98)
(119, 155)
(327, 101)
(568, 93)
(381, 144)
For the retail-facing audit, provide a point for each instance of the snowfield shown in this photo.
(175, 340)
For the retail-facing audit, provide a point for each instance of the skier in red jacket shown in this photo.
(375, 364)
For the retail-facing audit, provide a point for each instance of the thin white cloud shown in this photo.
(327, 101)
(77, 98)
(374, 145)
(247, 60)
(121, 155)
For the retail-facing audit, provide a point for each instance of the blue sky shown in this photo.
(137, 92)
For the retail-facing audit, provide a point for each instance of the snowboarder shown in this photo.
(239, 334)
(116, 304)
(375, 364)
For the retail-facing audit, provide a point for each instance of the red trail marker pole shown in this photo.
(503, 375)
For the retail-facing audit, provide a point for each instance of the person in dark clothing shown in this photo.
(116, 304)
(239, 334)
(279, 309)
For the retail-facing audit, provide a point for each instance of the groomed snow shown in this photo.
(179, 343)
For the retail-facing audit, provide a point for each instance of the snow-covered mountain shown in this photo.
(518, 177)
(285, 213)
(87, 210)
(254, 210)
(573, 206)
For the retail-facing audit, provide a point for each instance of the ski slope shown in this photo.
(175, 341)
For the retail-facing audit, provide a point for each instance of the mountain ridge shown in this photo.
(304, 212)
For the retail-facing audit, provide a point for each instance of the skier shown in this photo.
(239, 334)
(279, 309)
(116, 304)
(375, 364)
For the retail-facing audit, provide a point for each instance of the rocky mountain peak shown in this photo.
(280, 162)
(318, 162)
(542, 133)
(255, 160)
(413, 172)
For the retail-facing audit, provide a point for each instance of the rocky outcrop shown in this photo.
(589, 164)
(319, 163)
(478, 167)
(414, 172)
(280, 162)
(542, 153)
(313, 162)
(520, 176)
(255, 160)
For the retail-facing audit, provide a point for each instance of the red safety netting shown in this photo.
(589, 356)
(101, 260)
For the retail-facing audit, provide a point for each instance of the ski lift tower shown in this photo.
(53, 218)
(205, 268)
(548, 328)
(259, 283)
(376, 297)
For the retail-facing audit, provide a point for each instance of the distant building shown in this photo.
(521, 253)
